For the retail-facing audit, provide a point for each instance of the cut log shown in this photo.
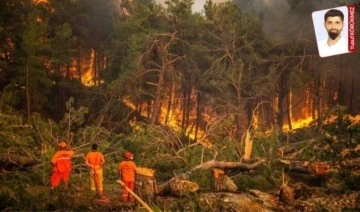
(146, 184)
(183, 187)
(294, 148)
(177, 186)
(286, 150)
(166, 188)
(224, 164)
(286, 194)
(312, 168)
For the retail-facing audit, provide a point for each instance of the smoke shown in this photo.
(286, 20)
(290, 21)
(198, 5)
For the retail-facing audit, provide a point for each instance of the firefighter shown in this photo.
(61, 163)
(127, 170)
(95, 161)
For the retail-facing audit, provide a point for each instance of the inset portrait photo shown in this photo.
(335, 30)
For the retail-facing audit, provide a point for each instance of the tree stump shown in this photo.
(286, 194)
(218, 180)
(146, 184)
(221, 182)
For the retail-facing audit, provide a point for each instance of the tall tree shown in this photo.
(12, 23)
(237, 45)
(35, 43)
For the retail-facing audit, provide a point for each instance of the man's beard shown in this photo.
(333, 34)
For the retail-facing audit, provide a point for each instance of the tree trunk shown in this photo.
(311, 168)
(218, 180)
(319, 105)
(281, 99)
(248, 146)
(294, 147)
(157, 100)
(198, 116)
(79, 64)
(146, 184)
(94, 67)
(221, 182)
(288, 109)
(170, 104)
(225, 164)
(352, 93)
(27, 90)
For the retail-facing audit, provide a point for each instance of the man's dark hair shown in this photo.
(334, 13)
(94, 147)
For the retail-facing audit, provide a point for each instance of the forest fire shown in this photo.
(296, 124)
(172, 119)
(87, 77)
(354, 120)
(40, 1)
(86, 66)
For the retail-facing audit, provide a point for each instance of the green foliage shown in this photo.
(33, 74)
(255, 181)
(203, 178)
(187, 203)
(219, 62)
(351, 181)
(61, 48)
(45, 129)
(73, 118)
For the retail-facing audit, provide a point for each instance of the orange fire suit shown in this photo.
(61, 162)
(95, 160)
(127, 170)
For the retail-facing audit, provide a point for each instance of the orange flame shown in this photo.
(88, 75)
(40, 1)
(174, 121)
(305, 117)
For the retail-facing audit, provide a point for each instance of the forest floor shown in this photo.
(319, 199)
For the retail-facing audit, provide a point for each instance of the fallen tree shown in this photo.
(312, 168)
(182, 180)
(228, 165)
(8, 160)
(295, 148)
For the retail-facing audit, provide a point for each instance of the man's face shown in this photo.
(334, 26)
